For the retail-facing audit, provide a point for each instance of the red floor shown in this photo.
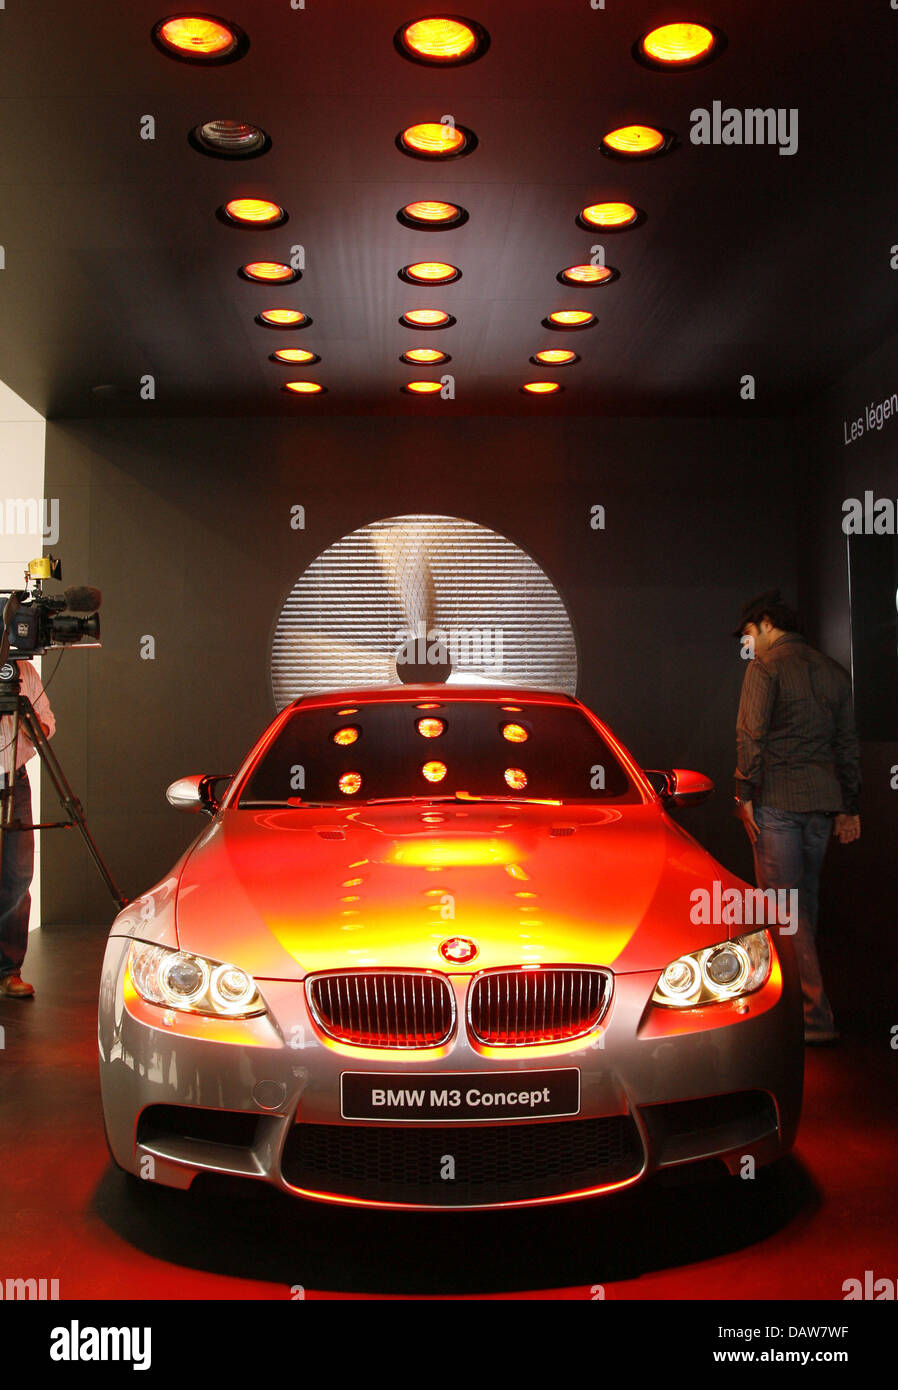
(798, 1231)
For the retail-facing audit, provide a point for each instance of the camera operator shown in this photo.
(17, 867)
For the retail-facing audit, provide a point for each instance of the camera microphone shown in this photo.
(81, 599)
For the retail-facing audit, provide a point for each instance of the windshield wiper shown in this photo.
(293, 804)
(463, 797)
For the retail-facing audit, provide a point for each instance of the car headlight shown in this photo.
(716, 973)
(179, 980)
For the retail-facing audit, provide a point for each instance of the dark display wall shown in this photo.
(186, 527)
(853, 451)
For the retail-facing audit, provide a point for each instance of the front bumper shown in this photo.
(260, 1098)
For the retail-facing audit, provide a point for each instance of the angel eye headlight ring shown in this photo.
(183, 979)
(174, 979)
(716, 974)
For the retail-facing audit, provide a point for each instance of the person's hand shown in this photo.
(847, 828)
(45, 727)
(745, 812)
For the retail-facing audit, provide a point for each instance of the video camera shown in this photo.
(35, 622)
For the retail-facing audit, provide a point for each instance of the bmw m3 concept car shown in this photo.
(445, 947)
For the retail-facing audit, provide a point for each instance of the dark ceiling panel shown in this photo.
(748, 262)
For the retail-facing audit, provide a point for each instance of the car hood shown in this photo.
(283, 893)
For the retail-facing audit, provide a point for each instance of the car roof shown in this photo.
(475, 694)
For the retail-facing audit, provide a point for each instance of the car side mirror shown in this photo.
(199, 792)
(681, 786)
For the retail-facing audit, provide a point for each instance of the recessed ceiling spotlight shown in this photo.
(269, 272)
(424, 357)
(283, 318)
(570, 319)
(304, 388)
(587, 275)
(444, 40)
(294, 355)
(422, 388)
(426, 318)
(229, 139)
(610, 217)
(673, 46)
(436, 140)
(636, 142)
(430, 273)
(113, 391)
(431, 216)
(555, 357)
(542, 388)
(251, 212)
(199, 38)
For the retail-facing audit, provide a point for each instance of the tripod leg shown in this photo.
(67, 798)
(7, 794)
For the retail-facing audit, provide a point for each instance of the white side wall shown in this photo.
(22, 437)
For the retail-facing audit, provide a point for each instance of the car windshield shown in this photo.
(401, 750)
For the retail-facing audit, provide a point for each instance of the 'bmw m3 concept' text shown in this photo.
(446, 947)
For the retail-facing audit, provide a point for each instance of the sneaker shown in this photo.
(14, 987)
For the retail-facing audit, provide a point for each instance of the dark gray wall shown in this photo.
(185, 525)
(859, 941)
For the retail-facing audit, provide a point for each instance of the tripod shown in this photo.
(14, 703)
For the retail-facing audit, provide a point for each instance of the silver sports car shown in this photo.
(446, 947)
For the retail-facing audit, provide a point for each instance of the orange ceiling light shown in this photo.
(283, 318)
(442, 40)
(587, 275)
(304, 388)
(570, 319)
(430, 728)
(430, 273)
(554, 357)
(422, 388)
(424, 357)
(426, 318)
(432, 215)
(350, 783)
(434, 771)
(516, 778)
(515, 733)
(200, 38)
(344, 737)
(682, 45)
(609, 217)
(268, 271)
(228, 139)
(436, 140)
(542, 388)
(295, 355)
(252, 212)
(635, 142)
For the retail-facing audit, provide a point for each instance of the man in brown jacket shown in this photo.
(797, 774)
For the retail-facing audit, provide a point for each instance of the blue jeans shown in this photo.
(789, 853)
(16, 873)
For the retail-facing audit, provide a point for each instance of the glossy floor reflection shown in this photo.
(799, 1230)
